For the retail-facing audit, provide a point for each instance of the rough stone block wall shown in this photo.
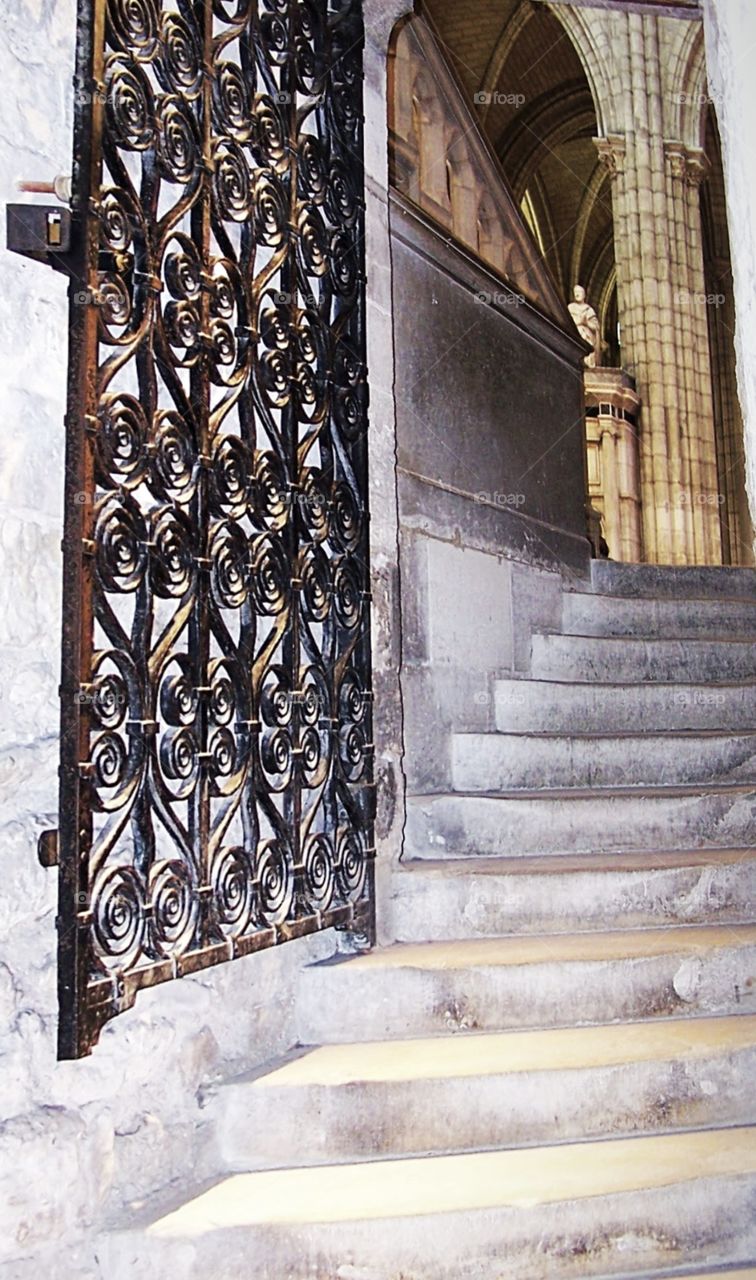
(79, 1142)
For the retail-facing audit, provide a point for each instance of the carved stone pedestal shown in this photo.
(612, 413)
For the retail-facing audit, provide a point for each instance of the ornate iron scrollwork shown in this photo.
(216, 782)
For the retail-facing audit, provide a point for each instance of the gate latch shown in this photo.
(41, 231)
(47, 849)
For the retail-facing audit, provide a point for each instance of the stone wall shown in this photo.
(490, 447)
(730, 27)
(81, 1141)
(489, 394)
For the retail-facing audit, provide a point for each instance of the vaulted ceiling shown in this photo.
(532, 98)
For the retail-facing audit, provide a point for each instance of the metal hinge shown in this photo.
(41, 232)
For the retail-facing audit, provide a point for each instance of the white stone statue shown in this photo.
(588, 326)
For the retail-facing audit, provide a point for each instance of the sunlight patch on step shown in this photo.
(447, 1184)
(540, 948)
(516, 1051)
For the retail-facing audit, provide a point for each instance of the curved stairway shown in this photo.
(550, 1073)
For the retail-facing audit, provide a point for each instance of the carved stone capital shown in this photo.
(689, 166)
(698, 168)
(611, 152)
(676, 159)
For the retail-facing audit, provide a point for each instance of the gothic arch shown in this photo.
(538, 130)
(598, 268)
(607, 297)
(593, 193)
(442, 163)
(545, 233)
(509, 36)
(689, 89)
(595, 54)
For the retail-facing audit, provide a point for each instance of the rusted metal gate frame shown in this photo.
(86, 1004)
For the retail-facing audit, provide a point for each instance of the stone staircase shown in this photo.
(550, 1073)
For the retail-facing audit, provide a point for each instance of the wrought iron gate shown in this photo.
(216, 781)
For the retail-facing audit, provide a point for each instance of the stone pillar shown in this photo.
(658, 246)
(700, 483)
(612, 414)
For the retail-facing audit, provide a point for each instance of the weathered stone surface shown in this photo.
(545, 980)
(466, 424)
(42, 1204)
(730, 27)
(452, 899)
(681, 581)
(536, 606)
(530, 706)
(82, 1140)
(507, 761)
(460, 1093)
(609, 615)
(379, 1222)
(565, 821)
(482, 584)
(601, 659)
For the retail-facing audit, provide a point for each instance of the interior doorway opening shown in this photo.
(603, 128)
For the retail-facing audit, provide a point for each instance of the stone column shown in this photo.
(700, 484)
(660, 272)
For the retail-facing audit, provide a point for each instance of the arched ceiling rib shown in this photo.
(597, 190)
(538, 108)
(510, 34)
(540, 129)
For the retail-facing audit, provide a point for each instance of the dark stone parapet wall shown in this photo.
(489, 404)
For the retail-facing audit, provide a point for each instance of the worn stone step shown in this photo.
(552, 706)
(611, 659)
(724, 1273)
(600, 615)
(554, 1213)
(467, 1093)
(542, 980)
(506, 761)
(432, 901)
(676, 581)
(602, 820)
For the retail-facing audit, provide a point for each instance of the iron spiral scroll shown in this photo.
(216, 781)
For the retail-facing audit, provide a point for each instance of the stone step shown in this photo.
(611, 659)
(544, 980)
(509, 761)
(434, 901)
(676, 581)
(477, 1092)
(724, 1273)
(604, 820)
(556, 1213)
(586, 614)
(551, 706)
